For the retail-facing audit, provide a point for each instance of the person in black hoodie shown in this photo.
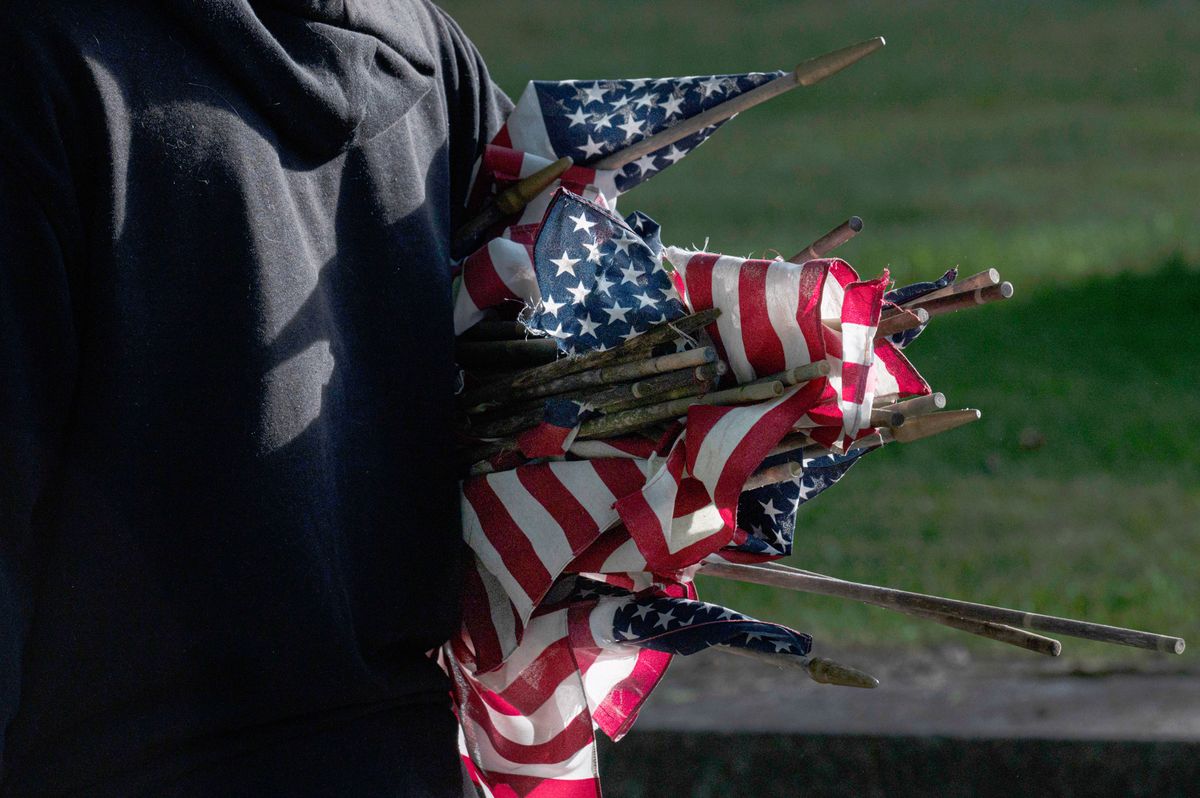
(229, 525)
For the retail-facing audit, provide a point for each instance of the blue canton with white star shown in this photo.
(601, 281)
(588, 119)
(684, 626)
(768, 514)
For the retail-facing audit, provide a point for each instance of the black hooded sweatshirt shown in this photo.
(228, 509)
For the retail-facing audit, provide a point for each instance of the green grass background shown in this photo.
(1058, 142)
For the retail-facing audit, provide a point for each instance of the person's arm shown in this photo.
(38, 360)
(477, 106)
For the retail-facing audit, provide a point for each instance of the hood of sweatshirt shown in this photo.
(325, 74)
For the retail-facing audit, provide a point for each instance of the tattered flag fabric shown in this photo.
(499, 272)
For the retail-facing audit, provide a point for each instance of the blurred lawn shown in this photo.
(1059, 142)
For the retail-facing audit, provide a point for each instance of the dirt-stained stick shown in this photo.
(799, 374)
(618, 372)
(631, 420)
(658, 388)
(773, 475)
(891, 597)
(887, 418)
(660, 333)
(507, 203)
(830, 241)
(791, 443)
(819, 669)
(694, 388)
(806, 74)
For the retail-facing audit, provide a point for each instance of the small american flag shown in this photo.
(601, 280)
(588, 119)
(685, 626)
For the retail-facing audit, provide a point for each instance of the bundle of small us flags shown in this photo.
(633, 413)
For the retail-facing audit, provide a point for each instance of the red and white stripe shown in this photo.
(687, 509)
(527, 728)
(498, 272)
(771, 320)
(524, 526)
(770, 310)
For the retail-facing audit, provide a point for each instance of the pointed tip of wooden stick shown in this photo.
(826, 671)
(934, 424)
(817, 69)
(856, 224)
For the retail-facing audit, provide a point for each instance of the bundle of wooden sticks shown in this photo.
(635, 392)
(639, 393)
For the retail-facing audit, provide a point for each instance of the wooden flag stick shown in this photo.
(830, 241)
(900, 321)
(806, 74)
(1020, 638)
(511, 419)
(799, 374)
(967, 299)
(984, 279)
(891, 597)
(920, 405)
(891, 419)
(632, 420)
(509, 202)
(773, 475)
(660, 333)
(617, 372)
(819, 669)
(791, 443)
(932, 424)
(634, 348)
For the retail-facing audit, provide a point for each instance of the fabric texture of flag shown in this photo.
(587, 119)
(768, 517)
(775, 316)
(528, 727)
(600, 278)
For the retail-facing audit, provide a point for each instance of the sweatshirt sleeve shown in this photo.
(37, 373)
(477, 106)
